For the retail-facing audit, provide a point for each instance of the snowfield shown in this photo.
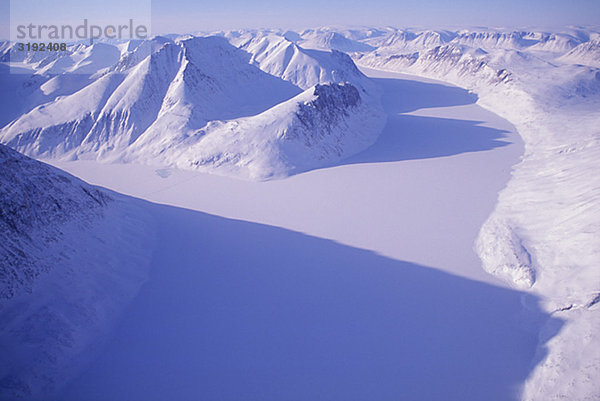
(201, 302)
(365, 209)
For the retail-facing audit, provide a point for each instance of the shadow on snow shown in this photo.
(236, 310)
(408, 137)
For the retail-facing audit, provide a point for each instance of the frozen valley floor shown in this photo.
(357, 281)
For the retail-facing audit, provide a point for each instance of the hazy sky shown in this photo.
(239, 13)
(189, 15)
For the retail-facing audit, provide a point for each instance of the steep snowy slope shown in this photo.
(30, 83)
(278, 56)
(186, 84)
(71, 257)
(587, 53)
(35, 201)
(545, 229)
(319, 127)
(156, 109)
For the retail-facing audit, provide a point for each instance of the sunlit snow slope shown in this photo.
(198, 103)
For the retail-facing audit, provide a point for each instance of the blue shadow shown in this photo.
(243, 311)
(408, 137)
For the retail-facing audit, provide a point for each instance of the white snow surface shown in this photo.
(406, 192)
(544, 233)
(200, 103)
(283, 313)
(276, 103)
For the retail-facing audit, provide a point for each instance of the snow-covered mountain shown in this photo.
(544, 232)
(444, 60)
(71, 257)
(262, 104)
(494, 39)
(555, 42)
(156, 109)
(326, 39)
(323, 124)
(283, 58)
(587, 53)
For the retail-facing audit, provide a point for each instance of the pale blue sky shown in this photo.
(237, 13)
(188, 15)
